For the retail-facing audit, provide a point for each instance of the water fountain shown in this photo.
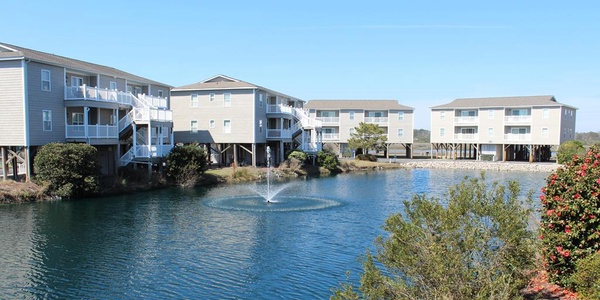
(268, 197)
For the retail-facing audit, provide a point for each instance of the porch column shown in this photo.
(134, 138)
(149, 140)
(281, 152)
(27, 164)
(531, 152)
(254, 154)
(86, 120)
(4, 169)
(235, 154)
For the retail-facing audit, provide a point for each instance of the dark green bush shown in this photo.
(571, 215)
(327, 160)
(298, 155)
(367, 157)
(475, 244)
(68, 170)
(587, 277)
(567, 149)
(186, 164)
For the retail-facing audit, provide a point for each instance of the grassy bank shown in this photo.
(18, 192)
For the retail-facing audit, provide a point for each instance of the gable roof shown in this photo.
(8, 51)
(223, 82)
(356, 104)
(518, 101)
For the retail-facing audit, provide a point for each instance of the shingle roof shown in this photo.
(520, 101)
(220, 82)
(11, 51)
(356, 104)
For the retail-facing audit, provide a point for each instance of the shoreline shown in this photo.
(547, 167)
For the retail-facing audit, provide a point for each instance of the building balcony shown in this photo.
(466, 120)
(280, 133)
(466, 137)
(331, 136)
(91, 131)
(97, 94)
(329, 120)
(514, 137)
(376, 120)
(517, 119)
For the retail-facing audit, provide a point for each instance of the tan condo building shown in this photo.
(340, 117)
(238, 121)
(501, 129)
(48, 98)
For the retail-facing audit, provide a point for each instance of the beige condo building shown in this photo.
(340, 117)
(501, 129)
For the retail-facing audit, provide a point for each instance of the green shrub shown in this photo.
(567, 149)
(475, 244)
(298, 155)
(68, 170)
(587, 277)
(570, 221)
(367, 157)
(327, 160)
(186, 164)
(487, 157)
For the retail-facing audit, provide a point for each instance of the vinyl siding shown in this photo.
(260, 113)
(241, 113)
(12, 131)
(105, 82)
(406, 124)
(486, 122)
(447, 123)
(39, 100)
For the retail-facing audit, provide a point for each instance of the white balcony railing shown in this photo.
(93, 131)
(513, 137)
(97, 94)
(162, 115)
(517, 119)
(466, 120)
(329, 120)
(466, 136)
(158, 102)
(331, 136)
(280, 133)
(376, 120)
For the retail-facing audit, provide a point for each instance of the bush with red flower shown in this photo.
(570, 219)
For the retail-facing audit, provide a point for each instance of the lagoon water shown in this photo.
(210, 243)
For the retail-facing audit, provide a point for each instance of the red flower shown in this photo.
(577, 196)
(550, 212)
(566, 253)
(568, 229)
(559, 249)
(598, 181)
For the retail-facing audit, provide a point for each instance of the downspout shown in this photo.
(24, 65)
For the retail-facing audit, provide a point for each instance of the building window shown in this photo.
(351, 131)
(194, 126)
(545, 132)
(47, 120)
(211, 97)
(442, 131)
(46, 80)
(351, 115)
(113, 85)
(491, 131)
(545, 113)
(227, 99)
(227, 126)
(400, 115)
(491, 113)
(442, 115)
(211, 123)
(260, 126)
(194, 100)
(400, 132)
(260, 100)
(160, 93)
(77, 118)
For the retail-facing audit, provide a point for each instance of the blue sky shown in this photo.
(421, 53)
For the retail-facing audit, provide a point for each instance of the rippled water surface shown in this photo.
(218, 243)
